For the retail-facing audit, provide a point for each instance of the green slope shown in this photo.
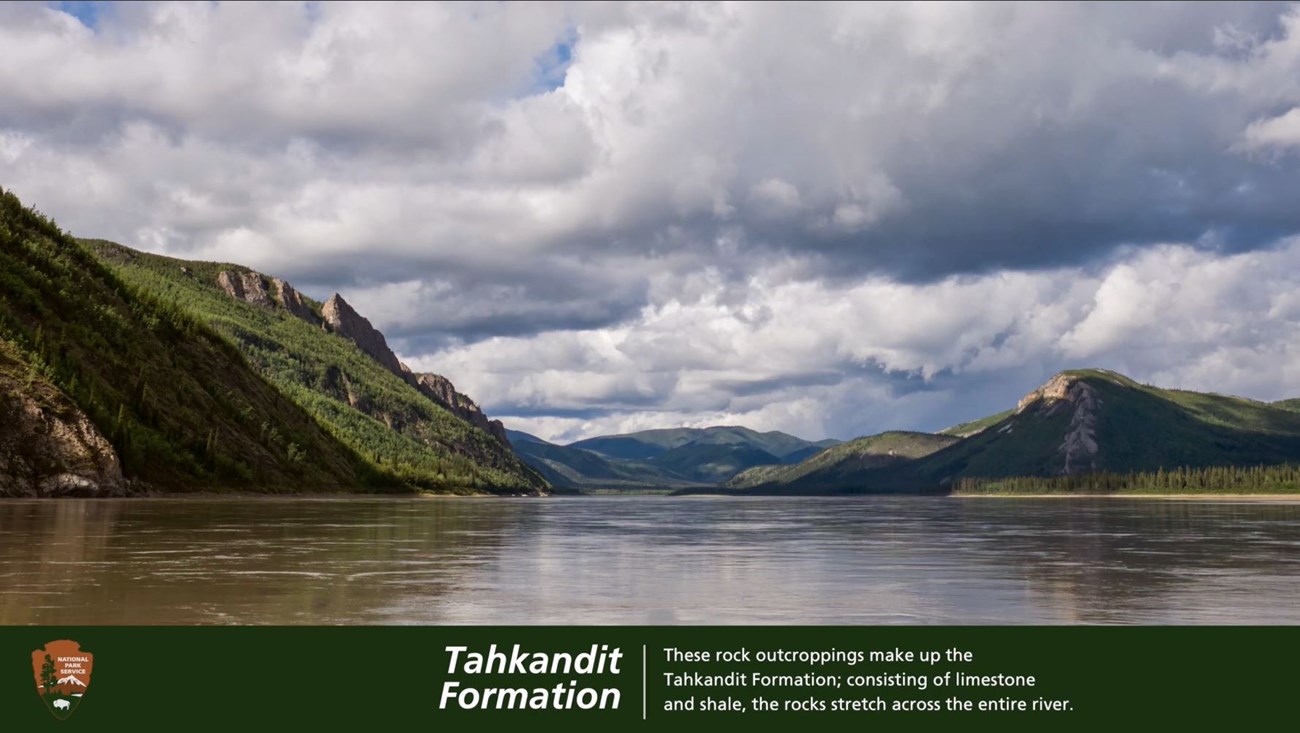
(574, 468)
(176, 401)
(1293, 405)
(1080, 422)
(1134, 427)
(841, 466)
(362, 404)
(967, 429)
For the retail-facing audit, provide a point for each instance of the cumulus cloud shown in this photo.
(820, 217)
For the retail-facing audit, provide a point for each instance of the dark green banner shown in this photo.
(656, 678)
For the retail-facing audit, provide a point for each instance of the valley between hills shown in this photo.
(128, 373)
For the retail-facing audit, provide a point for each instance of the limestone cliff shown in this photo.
(293, 302)
(342, 319)
(440, 389)
(1078, 449)
(338, 316)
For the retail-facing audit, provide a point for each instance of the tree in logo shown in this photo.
(62, 671)
(48, 677)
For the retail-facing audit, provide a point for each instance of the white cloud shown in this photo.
(1280, 131)
(823, 217)
(787, 353)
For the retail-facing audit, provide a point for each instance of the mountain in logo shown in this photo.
(62, 673)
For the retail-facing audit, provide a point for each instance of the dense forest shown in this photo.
(1283, 479)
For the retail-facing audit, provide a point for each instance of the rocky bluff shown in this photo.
(338, 316)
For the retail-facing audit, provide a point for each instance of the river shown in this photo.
(650, 560)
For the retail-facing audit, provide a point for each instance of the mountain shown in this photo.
(122, 372)
(70, 680)
(665, 458)
(1293, 405)
(841, 464)
(574, 468)
(648, 444)
(336, 366)
(1079, 422)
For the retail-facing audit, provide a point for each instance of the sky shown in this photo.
(829, 220)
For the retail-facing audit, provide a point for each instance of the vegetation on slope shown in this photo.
(176, 401)
(1283, 479)
(1081, 423)
(383, 419)
(967, 429)
(841, 466)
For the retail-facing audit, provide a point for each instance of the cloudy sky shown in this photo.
(829, 220)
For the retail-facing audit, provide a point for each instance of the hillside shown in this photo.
(650, 443)
(1293, 405)
(332, 364)
(967, 429)
(574, 468)
(664, 458)
(840, 465)
(107, 390)
(1080, 422)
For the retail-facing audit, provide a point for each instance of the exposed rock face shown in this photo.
(231, 283)
(50, 448)
(346, 322)
(250, 287)
(291, 300)
(1078, 449)
(341, 318)
(255, 290)
(245, 286)
(440, 389)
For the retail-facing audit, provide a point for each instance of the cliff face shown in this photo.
(292, 301)
(246, 286)
(440, 389)
(49, 447)
(1078, 449)
(342, 319)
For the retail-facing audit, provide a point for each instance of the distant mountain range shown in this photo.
(666, 458)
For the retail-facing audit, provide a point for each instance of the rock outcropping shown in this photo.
(440, 389)
(246, 286)
(292, 301)
(1078, 449)
(48, 447)
(342, 319)
(339, 317)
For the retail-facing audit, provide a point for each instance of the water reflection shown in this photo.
(649, 560)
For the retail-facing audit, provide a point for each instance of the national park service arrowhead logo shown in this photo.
(62, 675)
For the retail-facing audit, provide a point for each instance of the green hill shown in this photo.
(841, 465)
(1080, 422)
(143, 394)
(967, 429)
(333, 365)
(1293, 405)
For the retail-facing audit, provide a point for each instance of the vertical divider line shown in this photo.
(643, 685)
